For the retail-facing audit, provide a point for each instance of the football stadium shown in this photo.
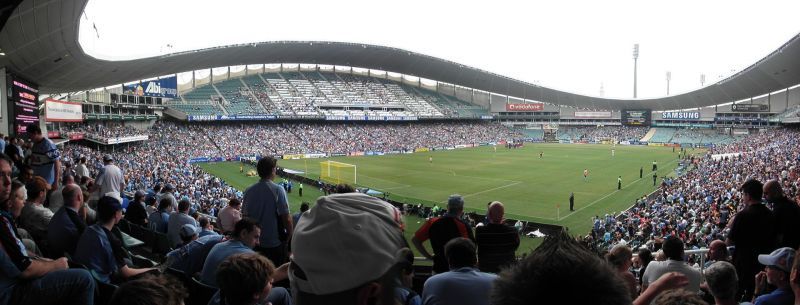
(337, 157)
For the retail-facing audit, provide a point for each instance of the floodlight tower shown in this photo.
(635, 59)
(702, 79)
(669, 78)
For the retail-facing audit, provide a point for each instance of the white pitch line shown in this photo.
(396, 187)
(392, 182)
(489, 190)
(604, 197)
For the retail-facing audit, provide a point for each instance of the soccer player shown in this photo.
(655, 166)
(612, 152)
(619, 183)
(241, 168)
(430, 159)
(585, 175)
(541, 154)
(641, 172)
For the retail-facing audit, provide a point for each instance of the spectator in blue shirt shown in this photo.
(191, 257)
(100, 250)
(244, 238)
(177, 220)
(296, 217)
(777, 268)
(266, 203)
(464, 284)
(206, 228)
(45, 158)
(159, 220)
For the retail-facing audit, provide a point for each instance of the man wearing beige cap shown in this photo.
(347, 249)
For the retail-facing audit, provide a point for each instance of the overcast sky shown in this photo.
(571, 45)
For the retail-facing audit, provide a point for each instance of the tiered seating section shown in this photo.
(320, 94)
(691, 136)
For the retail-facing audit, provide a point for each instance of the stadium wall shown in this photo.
(794, 97)
(464, 94)
(482, 98)
(446, 89)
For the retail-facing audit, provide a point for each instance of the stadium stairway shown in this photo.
(221, 96)
(649, 135)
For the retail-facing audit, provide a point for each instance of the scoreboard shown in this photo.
(25, 97)
(636, 117)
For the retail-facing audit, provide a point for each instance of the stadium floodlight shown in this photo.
(702, 79)
(338, 172)
(635, 59)
(669, 78)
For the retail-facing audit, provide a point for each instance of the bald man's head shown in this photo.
(73, 197)
(496, 212)
(773, 190)
(718, 250)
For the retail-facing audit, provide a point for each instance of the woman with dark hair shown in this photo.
(645, 257)
(620, 258)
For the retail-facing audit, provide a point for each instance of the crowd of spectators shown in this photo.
(701, 207)
(349, 247)
(341, 138)
(698, 206)
(102, 131)
(598, 133)
(163, 159)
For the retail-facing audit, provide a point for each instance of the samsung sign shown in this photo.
(680, 115)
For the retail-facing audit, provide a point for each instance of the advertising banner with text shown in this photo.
(165, 87)
(592, 114)
(530, 107)
(61, 111)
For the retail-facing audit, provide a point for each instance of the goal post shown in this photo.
(338, 172)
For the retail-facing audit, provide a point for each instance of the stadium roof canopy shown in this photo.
(40, 40)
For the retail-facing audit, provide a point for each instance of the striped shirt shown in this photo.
(497, 244)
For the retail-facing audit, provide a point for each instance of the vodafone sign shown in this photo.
(525, 107)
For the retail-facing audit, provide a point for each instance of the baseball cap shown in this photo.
(189, 230)
(107, 158)
(781, 258)
(344, 241)
(455, 201)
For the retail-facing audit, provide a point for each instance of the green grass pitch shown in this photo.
(531, 188)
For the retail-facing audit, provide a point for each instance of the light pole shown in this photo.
(635, 59)
(702, 79)
(669, 78)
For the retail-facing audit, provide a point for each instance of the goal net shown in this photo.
(337, 172)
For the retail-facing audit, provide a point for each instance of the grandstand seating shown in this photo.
(238, 100)
(533, 134)
(690, 136)
(313, 93)
(197, 108)
(663, 135)
(790, 112)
